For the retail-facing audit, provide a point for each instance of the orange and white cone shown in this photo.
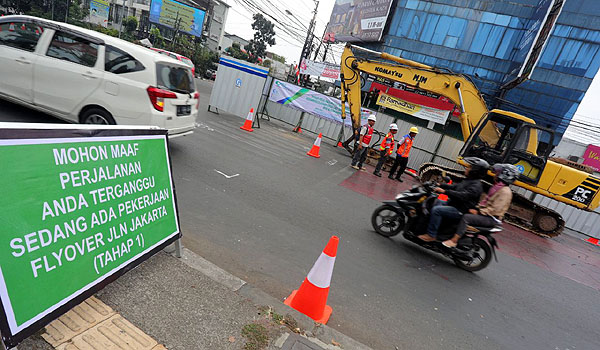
(248, 123)
(311, 298)
(314, 151)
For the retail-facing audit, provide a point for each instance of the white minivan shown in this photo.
(83, 76)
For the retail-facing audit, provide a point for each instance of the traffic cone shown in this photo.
(298, 130)
(311, 298)
(593, 241)
(314, 151)
(248, 123)
(340, 144)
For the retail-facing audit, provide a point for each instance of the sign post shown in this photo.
(80, 207)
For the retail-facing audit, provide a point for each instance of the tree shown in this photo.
(43, 8)
(264, 36)
(156, 38)
(266, 63)
(236, 52)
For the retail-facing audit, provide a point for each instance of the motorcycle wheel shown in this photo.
(387, 221)
(482, 255)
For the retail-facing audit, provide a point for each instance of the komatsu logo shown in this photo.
(388, 72)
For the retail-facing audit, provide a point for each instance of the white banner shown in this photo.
(323, 69)
(312, 102)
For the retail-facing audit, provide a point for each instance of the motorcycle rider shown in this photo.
(492, 207)
(461, 197)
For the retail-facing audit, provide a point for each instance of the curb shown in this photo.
(323, 333)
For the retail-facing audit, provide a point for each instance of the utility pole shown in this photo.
(122, 16)
(67, 11)
(52, 18)
(321, 42)
(309, 34)
(176, 30)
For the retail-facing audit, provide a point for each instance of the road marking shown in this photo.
(227, 176)
(202, 125)
(332, 162)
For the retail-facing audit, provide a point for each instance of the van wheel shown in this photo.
(97, 116)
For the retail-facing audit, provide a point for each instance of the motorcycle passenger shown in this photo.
(492, 207)
(461, 197)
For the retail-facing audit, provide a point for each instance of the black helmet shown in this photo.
(506, 173)
(479, 167)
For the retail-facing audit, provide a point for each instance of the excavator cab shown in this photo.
(505, 137)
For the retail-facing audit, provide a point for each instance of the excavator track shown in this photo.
(523, 212)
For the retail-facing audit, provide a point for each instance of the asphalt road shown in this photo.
(269, 223)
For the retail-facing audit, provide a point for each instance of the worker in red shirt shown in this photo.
(366, 134)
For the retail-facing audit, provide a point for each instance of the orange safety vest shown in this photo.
(388, 141)
(404, 149)
(367, 137)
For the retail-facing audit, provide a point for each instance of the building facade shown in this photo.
(481, 38)
(216, 25)
(230, 39)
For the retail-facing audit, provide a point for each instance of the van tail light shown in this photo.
(157, 97)
(197, 98)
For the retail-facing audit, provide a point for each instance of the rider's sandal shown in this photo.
(449, 244)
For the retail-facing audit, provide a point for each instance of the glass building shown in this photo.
(481, 38)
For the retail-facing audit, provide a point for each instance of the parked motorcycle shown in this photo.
(409, 214)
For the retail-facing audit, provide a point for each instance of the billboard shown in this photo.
(174, 14)
(533, 42)
(591, 157)
(99, 12)
(84, 206)
(358, 20)
(322, 69)
(432, 114)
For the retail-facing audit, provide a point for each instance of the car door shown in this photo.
(67, 74)
(18, 41)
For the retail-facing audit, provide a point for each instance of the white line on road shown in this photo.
(332, 162)
(227, 176)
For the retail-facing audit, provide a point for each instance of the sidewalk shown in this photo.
(189, 303)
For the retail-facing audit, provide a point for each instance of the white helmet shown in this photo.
(393, 126)
(372, 117)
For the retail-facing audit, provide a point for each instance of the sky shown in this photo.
(239, 20)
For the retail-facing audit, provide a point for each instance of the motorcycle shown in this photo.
(409, 214)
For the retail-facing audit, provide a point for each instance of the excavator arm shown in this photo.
(457, 88)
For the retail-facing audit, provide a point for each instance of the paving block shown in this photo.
(159, 347)
(80, 318)
(116, 333)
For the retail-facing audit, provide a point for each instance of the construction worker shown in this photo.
(402, 153)
(386, 148)
(366, 133)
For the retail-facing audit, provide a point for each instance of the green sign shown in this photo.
(76, 211)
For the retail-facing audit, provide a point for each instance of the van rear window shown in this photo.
(174, 78)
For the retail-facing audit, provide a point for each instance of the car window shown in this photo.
(20, 35)
(118, 61)
(173, 78)
(74, 49)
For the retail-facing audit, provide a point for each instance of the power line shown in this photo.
(254, 8)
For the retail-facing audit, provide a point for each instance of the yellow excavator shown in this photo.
(497, 136)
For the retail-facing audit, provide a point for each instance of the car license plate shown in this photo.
(184, 110)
